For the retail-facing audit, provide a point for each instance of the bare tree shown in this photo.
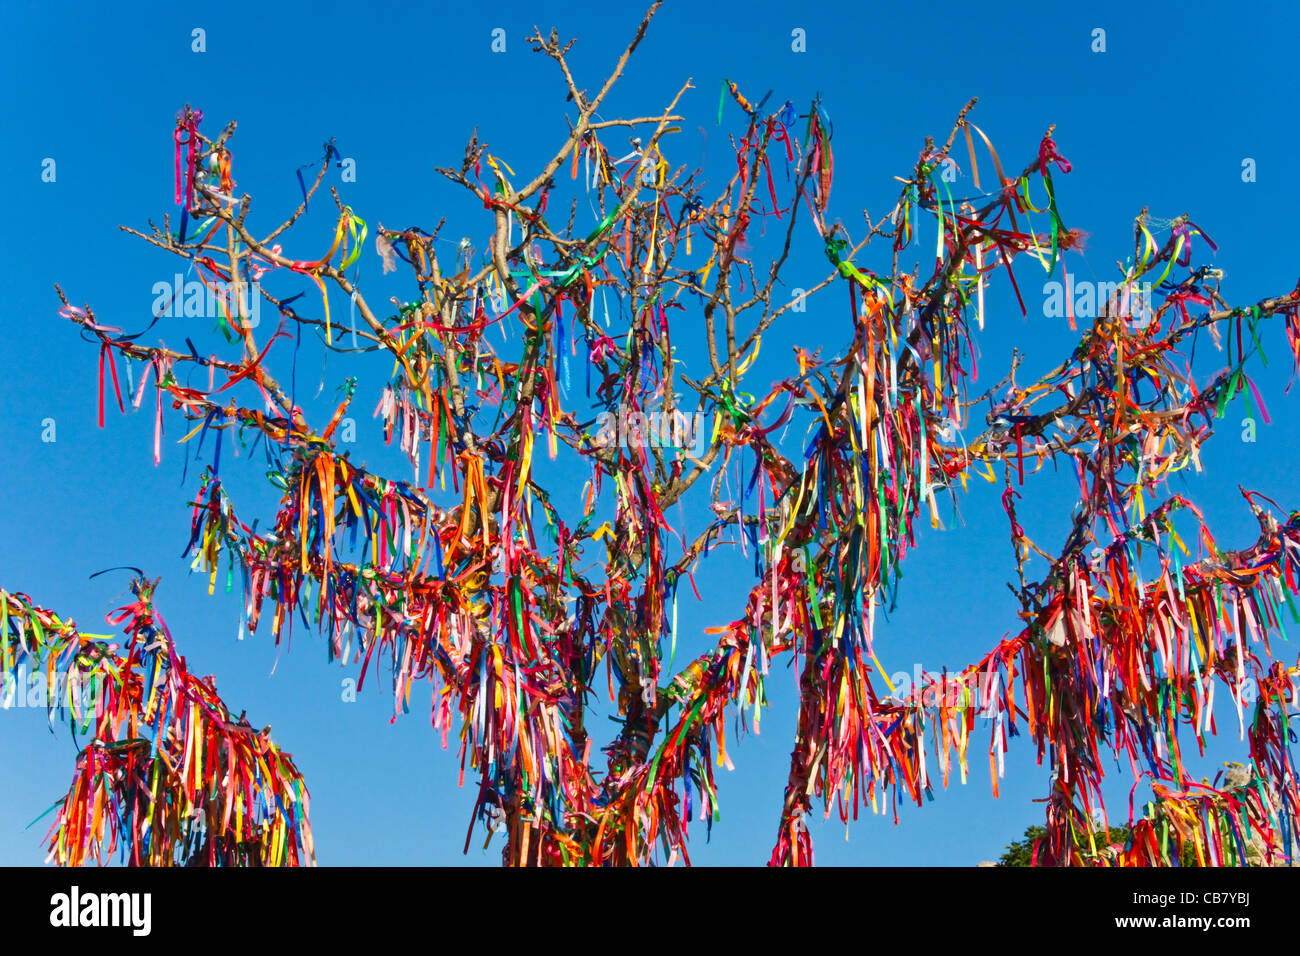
(512, 600)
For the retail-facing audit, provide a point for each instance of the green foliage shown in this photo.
(1021, 852)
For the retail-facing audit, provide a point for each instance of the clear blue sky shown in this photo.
(1163, 118)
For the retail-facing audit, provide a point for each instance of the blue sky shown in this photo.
(1163, 118)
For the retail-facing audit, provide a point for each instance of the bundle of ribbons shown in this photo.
(166, 774)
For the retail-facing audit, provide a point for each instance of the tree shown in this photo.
(1021, 852)
(513, 600)
(1113, 844)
